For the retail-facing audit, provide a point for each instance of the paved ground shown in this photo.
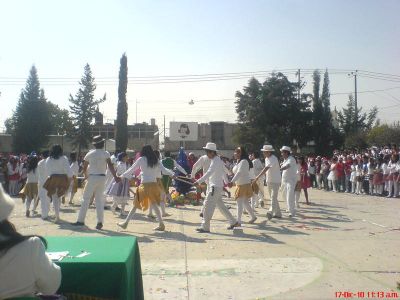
(341, 243)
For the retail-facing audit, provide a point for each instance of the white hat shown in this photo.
(286, 148)
(267, 148)
(6, 204)
(210, 146)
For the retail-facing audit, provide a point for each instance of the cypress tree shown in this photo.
(121, 139)
(83, 109)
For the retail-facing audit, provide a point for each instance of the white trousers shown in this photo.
(44, 201)
(258, 198)
(214, 199)
(273, 189)
(243, 202)
(13, 187)
(288, 195)
(95, 185)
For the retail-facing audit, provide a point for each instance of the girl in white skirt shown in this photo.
(120, 190)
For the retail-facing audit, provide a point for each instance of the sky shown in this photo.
(174, 38)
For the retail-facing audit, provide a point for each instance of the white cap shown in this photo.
(210, 146)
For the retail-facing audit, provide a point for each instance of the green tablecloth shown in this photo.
(111, 271)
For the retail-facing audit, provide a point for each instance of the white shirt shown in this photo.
(290, 174)
(242, 173)
(25, 270)
(258, 167)
(121, 168)
(74, 168)
(202, 163)
(216, 173)
(161, 170)
(273, 174)
(97, 160)
(58, 166)
(32, 176)
(148, 174)
(42, 172)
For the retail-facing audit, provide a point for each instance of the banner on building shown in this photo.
(183, 131)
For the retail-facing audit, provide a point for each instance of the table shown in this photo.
(111, 271)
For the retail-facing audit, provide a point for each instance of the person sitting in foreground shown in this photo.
(25, 269)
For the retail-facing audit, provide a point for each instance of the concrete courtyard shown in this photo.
(339, 247)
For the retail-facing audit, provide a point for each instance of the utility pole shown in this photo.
(298, 81)
(164, 131)
(136, 111)
(354, 74)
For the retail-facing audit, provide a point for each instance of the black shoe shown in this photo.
(269, 215)
(99, 226)
(230, 227)
(201, 215)
(201, 230)
(78, 224)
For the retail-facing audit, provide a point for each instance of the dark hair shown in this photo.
(45, 153)
(32, 163)
(167, 154)
(147, 151)
(13, 238)
(244, 155)
(121, 156)
(99, 145)
(72, 156)
(256, 154)
(56, 151)
(157, 153)
(302, 160)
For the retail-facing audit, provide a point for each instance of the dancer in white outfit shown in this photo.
(216, 175)
(42, 176)
(120, 190)
(244, 190)
(94, 170)
(258, 198)
(148, 194)
(73, 187)
(273, 179)
(60, 175)
(289, 179)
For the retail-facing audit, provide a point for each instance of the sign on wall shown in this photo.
(183, 131)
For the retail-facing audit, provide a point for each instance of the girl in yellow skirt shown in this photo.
(244, 189)
(163, 194)
(30, 190)
(148, 194)
(60, 175)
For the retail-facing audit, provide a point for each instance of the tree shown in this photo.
(60, 120)
(121, 139)
(272, 112)
(348, 123)
(324, 134)
(83, 109)
(384, 134)
(30, 123)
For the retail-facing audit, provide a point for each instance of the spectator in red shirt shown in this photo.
(340, 175)
(347, 173)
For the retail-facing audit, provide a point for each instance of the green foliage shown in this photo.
(271, 112)
(384, 134)
(30, 122)
(83, 109)
(351, 121)
(60, 120)
(121, 140)
(324, 134)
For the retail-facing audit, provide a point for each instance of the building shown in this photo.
(220, 133)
